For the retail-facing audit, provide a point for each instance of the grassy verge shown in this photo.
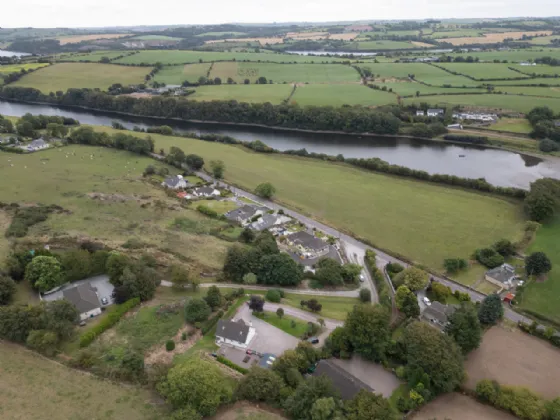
(288, 324)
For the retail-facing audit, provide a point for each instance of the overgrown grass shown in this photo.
(515, 125)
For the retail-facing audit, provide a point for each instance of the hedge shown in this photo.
(380, 284)
(232, 365)
(466, 139)
(207, 211)
(208, 325)
(87, 338)
(549, 335)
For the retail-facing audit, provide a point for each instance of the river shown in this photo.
(499, 167)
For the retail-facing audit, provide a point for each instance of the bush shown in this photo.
(208, 211)
(489, 257)
(452, 265)
(170, 345)
(548, 146)
(197, 310)
(273, 296)
(183, 336)
(232, 365)
(87, 338)
(365, 295)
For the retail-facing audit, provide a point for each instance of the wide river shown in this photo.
(499, 167)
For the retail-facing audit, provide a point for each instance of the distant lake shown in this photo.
(360, 54)
(4, 53)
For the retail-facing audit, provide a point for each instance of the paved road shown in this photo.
(359, 248)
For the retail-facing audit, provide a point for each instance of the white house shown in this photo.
(38, 144)
(206, 192)
(234, 333)
(85, 299)
(420, 113)
(308, 245)
(174, 182)
(244, 214)
(435, 112)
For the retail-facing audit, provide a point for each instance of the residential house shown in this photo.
(234, 333)
(244, 214)
(206, 192)
(269, 220)
(502, 276)
(85, 299)
(438, 314)
(435, 112)
(38, 144)
(175, 182)
(346, 384)
(308, 245)
(420, 113)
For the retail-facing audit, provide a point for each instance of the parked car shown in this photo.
(313, 340)
(362, 278)
(104, 301)
(426, 301)
(249, 352)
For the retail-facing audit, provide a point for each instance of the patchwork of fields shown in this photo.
(482, 71)
(175, 75)
(338, 95)
(274, 94)
(423, 72)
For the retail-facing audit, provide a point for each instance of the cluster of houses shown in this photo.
(435, 112)
(476, 116)
(178, 182)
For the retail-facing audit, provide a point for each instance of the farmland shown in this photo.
(460, 33)
(338, 95)
(544, 40)
(553, 92)
(274, 94)
(515, 125)
(91, 57)
(156, 38)
(501, 350)
(379, 45)
(64, 76)
(175, 75)
(538, 70)
(422, 72)
(492, 38)
(551, 81)
(16, 68)
(60, 392)
(303, 73)
(481, 71)
(512, 55)
(410, 89)
(367, 203)
(72, 39)
(459, 407)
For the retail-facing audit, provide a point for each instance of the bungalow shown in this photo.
(244, 214)
(206, 192)
(307, 244)
(38, 144)
(85, 299)
(420, 113)
(438, 314)
(174, 182)
(234, 333)
(502, 276)
(346, 384)
(269, 220)
(435, 112)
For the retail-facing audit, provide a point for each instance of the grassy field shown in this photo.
(515, 125)
(183, 57)
(92, 57)
(37, 388)
(156, 38)
(175, 75)
(16, 68)
(285, 323)
(67, 175)
(493, 38)
(422, 72)
(551, 81)
(537, 70)
(553, 91)
(481, 71)
(220, 206)
(274, 94)
(380, 45)
(338, 95)
(409, 88)
(544, 298)
(369, 204)
(543, 40)
(303, 73)
(506, 102)
(72, 39)
(511, 55)
(64, 76)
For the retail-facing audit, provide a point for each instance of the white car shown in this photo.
(426, 301)
(362, 278)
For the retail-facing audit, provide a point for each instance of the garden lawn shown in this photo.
(339, 95)
(34, 387)
(176, 75)
(515, 125)
(64, 76)
(544, 298)
(518, 103)
(274, 94)
(437, 221)
(221, 206)
(482, 71)
(285, 323)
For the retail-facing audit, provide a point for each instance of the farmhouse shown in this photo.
(85, 299)
(420, 113)
(244, 213)
(38, 144)
(174, 182)
(234, 333)
(502, 276)
(435, 112)
(438, 314)
(307, 244)
(347, 384)
(206, 192)
(269, 220)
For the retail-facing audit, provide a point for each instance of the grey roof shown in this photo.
(173, 181)
(438, 110)
(233, 330)
(439, 312)
(38, 143)
(244, 212)
(204, 190)
(307, 240)
(502, 274)
(347, 384)
(84, 297)
(265, 222)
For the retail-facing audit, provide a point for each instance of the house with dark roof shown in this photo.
(269, 220)
(244, 214)
(85, 299)
(307, 245)
(502, 276)
(174, 182)
(234, 333)
(438, 314)
(346, 384)
(206, 192)
(38, 144)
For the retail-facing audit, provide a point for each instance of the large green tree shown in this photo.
(329, 272)
(44, 273)
(491, 310)
(300, 403)
(367, 406)
(266, 243)
(368, 330)
(265, 190)
(213, 297)
(537, 263)
(413, 278)
(197, 310)
(279, 269)
(260, 385)
(217, 167)
(7, 289)
(464, 327)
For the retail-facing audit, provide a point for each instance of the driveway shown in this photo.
(104, 288)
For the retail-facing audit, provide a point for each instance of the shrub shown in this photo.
(365, 295)
(547, 146)
(452, 265)
(489, 257)
(170, 345)
(208, 211)
(183, 336)
(197, 310)
(232, 365)
(273, 296)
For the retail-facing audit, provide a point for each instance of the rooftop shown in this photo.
(244, 212)
(439, 312)
(307, 240)
(347, 384)
(232, 330)
(204, 190)
(84, 297)
(173, 181)
(503, 274)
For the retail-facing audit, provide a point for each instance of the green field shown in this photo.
(511, 55)
(279, 73)
(91, 57)
(156, 38)
(538, 70)
(380, 45)
(482, 71)
(505, 102)
(184, 57)
(423, 221)
(175, 75)
(553, 92)
(338, 95)
(551, 81)
(34, 387)
(222, 34)
(50, 177)
(543, 40)
(423, 72)
(64, 76)
(274, 94)
(455, 34)
(285, 323)
(515, 125)
(16, 68)
(544, 298)
(410, 88)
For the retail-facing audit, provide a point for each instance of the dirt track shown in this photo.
(459, 407)
(516, 358)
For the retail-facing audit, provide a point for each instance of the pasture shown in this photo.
(370, 204)
(482, 71)
(410, 88)
(64, 76)
(511, 55)
(515, 125)
(544, 40)
(339, 95)
(423, 72)
(16, 68)
(550, 81)
(274, 94)
(551, 92)
(279, 73)
(175, 75)
(509, 357)
(517, 103)
(459, 33)
(538, 70)
(492, 38)
(73, 39)
(34, 387)
(92, 57)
